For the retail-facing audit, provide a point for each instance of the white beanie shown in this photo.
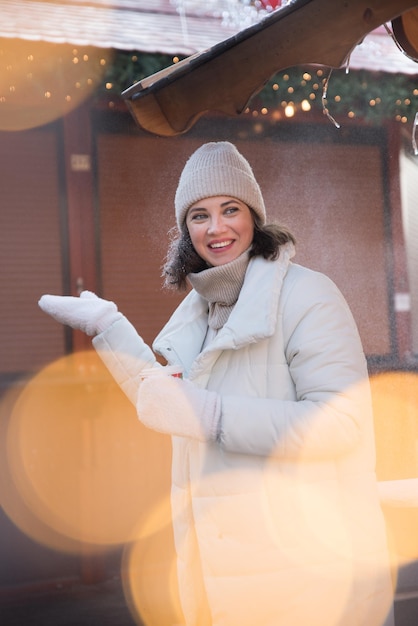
(217, 169)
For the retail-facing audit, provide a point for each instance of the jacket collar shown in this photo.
(253, 318)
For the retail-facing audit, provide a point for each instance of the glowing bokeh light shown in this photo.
(41, 82)
(149, 573)
(79, 461)
(395, 404)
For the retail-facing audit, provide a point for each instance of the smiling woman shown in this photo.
(274, 500)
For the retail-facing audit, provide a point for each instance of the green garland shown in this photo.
(371, 96)
(127, 68)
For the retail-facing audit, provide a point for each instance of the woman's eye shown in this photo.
(231, 209)
(197, 217)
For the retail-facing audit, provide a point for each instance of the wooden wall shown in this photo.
(32, 247)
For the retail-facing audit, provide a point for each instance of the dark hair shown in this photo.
(182, 259)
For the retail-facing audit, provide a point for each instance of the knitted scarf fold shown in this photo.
(221, 286)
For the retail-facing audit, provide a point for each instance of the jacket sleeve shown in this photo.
(125, 355)
(328, 368)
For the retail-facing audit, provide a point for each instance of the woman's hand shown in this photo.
(88, 313)
(177, 407)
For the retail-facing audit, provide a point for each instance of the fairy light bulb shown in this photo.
(289, 110)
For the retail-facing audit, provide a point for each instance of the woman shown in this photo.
(274, 501)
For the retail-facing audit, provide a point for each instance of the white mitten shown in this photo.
(88, 313)
(177, 407)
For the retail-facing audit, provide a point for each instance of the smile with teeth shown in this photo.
(221, 244)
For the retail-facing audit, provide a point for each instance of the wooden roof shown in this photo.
(153, 26)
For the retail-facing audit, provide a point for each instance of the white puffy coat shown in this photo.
(280, 523)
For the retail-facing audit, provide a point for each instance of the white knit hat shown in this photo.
(217, 169)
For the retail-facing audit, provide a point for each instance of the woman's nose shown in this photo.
(216, 225)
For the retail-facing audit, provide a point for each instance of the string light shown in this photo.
(366, 95)
(289, 110)
(370, 96)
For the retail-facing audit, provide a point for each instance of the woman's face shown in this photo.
(221, 228)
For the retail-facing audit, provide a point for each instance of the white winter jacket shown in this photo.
(279, 524)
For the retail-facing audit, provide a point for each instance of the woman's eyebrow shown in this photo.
(197, 208)
(234, 201)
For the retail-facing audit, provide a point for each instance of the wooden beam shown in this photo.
(80, 207)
